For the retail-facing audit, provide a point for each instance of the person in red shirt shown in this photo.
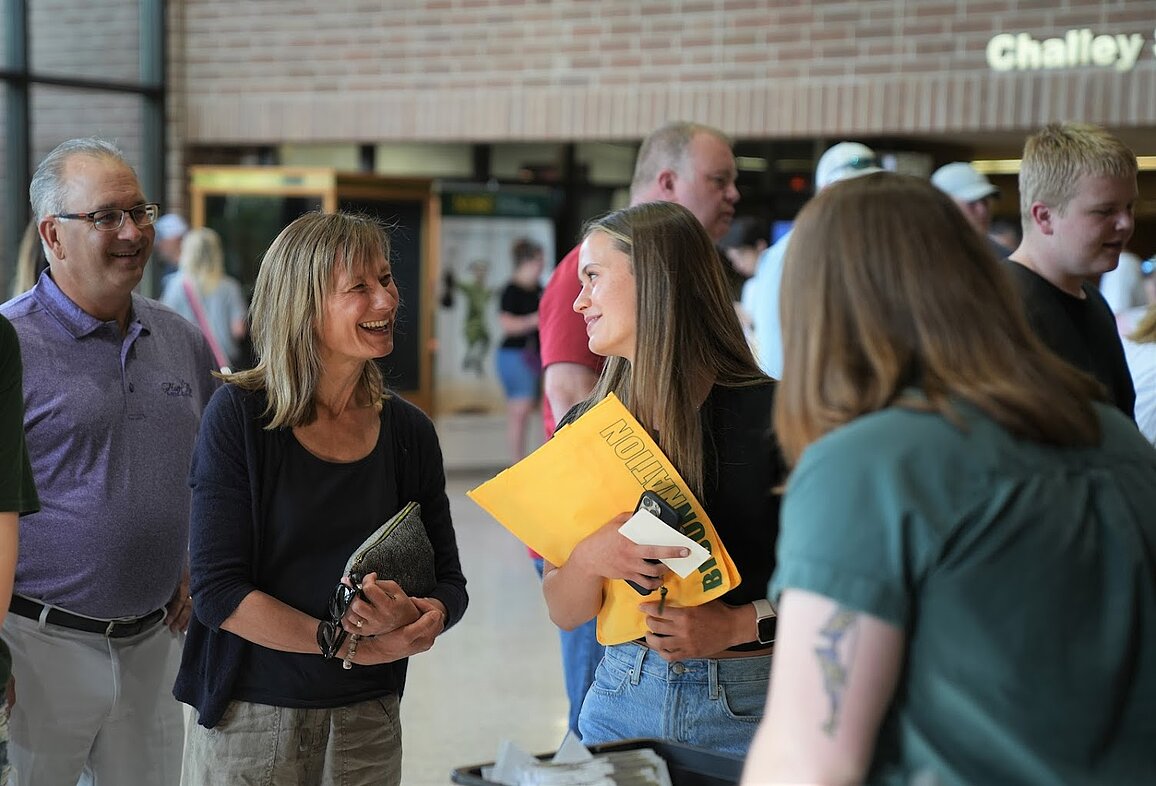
(682, 162)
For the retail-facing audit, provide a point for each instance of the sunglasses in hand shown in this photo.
(330, 634)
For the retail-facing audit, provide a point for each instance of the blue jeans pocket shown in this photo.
(610, 678)
(744, 701)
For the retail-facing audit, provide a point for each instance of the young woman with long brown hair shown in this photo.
(657, 306)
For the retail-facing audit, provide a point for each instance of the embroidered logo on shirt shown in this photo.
(180, 388)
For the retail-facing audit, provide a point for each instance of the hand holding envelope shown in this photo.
(591, 471)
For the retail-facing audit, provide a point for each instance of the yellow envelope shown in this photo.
(592, 470)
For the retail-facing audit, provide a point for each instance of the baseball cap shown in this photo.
(960, 181)
(845, 160)
(171, 225)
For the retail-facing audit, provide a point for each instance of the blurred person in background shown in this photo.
(966, 576)
(202, 293)
(1125, 288)
(1140, 349)
(760, 296)
(30, 260)
(1007, 233)
(975, 195)
(519, 361)
(170, 233)
(742, 245)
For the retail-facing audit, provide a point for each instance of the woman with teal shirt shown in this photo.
(966, 575)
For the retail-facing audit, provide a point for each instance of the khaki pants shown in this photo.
(92, 710)
(261, 745)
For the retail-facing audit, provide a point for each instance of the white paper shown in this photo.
(571, 751)
(646, 529)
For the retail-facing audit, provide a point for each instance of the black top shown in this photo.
(320, 512)
(520, 302)
(235, 476)
(1081, 331)
(742, 469)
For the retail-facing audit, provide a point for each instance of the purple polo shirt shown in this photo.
(110, 423)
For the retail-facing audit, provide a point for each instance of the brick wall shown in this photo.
(261, 71)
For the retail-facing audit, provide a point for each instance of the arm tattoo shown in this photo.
(834, 654)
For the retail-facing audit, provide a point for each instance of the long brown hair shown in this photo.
(687, 329)
(886, 287)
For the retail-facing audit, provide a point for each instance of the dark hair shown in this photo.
(745, 232)
(525, 250)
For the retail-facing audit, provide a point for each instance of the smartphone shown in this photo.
(661, 509)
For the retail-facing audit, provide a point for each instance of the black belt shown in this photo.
(113, 629)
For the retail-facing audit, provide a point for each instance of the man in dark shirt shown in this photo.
(1077, 193)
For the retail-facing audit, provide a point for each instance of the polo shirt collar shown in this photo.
(76, 320)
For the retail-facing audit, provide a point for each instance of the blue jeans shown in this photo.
(518, 374)
(713, 704)
(581, 654)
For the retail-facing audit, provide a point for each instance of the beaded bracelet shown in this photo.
(347, 663)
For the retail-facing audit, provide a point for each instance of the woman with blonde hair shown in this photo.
(295, 677)
(656, 304)
(202, 293)
(967, 562)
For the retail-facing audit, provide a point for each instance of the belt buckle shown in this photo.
(109, 630)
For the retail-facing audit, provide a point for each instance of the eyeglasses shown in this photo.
(111, 219)
(330, 634)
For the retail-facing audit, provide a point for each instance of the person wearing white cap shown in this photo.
(969, 189)
(760, 296)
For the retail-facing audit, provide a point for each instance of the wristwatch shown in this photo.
(767, 620)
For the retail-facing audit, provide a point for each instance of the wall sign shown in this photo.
(1077, 49)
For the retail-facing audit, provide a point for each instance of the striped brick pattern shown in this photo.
(489, 70)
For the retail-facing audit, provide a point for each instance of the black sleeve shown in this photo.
(423, 479)
(221, 526)
(510, 303)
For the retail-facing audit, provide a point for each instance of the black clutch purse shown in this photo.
(400, 550)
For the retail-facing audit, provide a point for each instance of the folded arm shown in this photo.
(573, 590)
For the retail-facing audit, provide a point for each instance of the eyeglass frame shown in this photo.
(330, 634)
(124, 212)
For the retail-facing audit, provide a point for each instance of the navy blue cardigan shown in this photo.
(234, 462)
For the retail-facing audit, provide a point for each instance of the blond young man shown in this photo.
(1077, 194)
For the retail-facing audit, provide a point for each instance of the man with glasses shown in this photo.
(761, 292)
(114, 386)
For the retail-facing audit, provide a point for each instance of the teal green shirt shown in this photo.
(1023, 577)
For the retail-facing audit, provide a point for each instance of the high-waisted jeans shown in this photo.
(714, 704)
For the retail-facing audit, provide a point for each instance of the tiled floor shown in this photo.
(497, 674)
